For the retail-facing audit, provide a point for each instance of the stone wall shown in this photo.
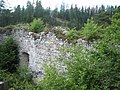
(38, 49)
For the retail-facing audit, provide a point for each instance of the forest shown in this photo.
(96, 69)
(73, 17)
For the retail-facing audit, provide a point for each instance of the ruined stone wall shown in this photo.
(40, 48)
(36, 49)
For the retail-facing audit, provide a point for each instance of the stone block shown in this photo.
(3, 85)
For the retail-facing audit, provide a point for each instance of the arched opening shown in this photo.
(24, 59)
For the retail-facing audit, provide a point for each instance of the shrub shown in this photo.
(21, 80)
(58, 33)
(9, 55)
(17, 78)
(37, 26)
(52, 80)
(9, 27)
(88, 70)
(73, 79)
(72, 36)
(97, 69)
(90, 31)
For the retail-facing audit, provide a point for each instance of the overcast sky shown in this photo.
(56, 3)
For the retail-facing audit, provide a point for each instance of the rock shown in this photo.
(30, 33)
(3, 85)
(40, 49)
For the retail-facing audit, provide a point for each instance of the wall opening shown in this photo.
(24, 59)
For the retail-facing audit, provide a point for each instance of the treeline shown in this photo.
(74, 17)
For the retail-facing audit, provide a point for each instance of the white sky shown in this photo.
(56, 3)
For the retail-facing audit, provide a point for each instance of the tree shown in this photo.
(38, 10)
(62, 11)
(23, 14)
(90, 31)
(6, 17)
(9, 55)
(46, 16)
(55, 13)
(37, 26)
(29, 12)
(17, 14)
(102, 19)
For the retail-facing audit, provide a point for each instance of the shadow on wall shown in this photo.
(24, 59)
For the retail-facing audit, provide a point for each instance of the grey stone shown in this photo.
(43, 50)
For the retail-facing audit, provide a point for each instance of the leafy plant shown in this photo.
(17, 78)
(90, 31)
(20, 80)
(37, 26)
(9, 27)
(9, 55)
(72, 36)
(97, 69)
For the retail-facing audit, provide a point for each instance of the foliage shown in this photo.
(37, 26)
(108, 52)
(91, 31)
(9, 27)
(28, 14)
(58, 33)
(17, 78)
(95, 69)
(5, 17)
(52, 80)
(72, 36)
(9, 55)
(21, 80)
(74, 17)
(102, 19)
(55, 81)
(7, 30)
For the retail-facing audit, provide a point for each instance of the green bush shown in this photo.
(21, 80)
(89, 70)
(58, 33)
(9, 27)
(91, 31)
(95, 69)
(9, 55)
(72, 36)
(37, 26)
(52, 80)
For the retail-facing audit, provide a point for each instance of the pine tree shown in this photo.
(17, 14)
(38, 10)
(29, 12)
(23, 14)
